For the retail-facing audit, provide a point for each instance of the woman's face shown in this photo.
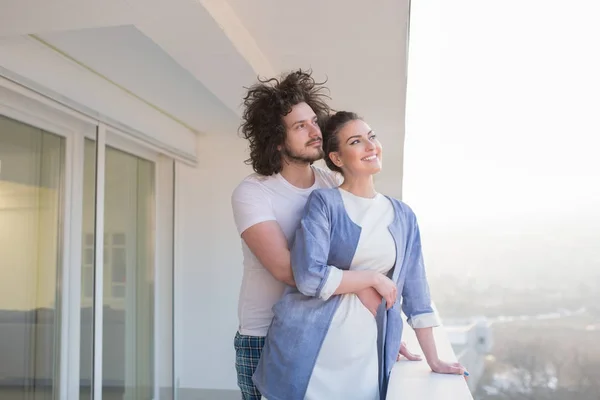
(359, 151)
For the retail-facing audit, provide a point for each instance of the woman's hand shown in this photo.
(443, 367)
(386, 288)
(370, 299)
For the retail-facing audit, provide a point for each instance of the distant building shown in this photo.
(471, 342)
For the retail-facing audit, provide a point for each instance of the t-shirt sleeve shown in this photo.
(251, 206)
(334, 179)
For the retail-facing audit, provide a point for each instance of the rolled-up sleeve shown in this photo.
(416, 298)
(310, 252)
(332, 283)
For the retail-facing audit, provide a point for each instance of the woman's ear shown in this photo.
(334, 156)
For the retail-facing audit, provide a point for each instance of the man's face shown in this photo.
(304, 142)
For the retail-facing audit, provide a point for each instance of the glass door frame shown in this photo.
(25, 105)
(20, 104)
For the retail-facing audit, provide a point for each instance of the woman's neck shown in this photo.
(361, 187)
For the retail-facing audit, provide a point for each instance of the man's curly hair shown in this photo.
(265, 105)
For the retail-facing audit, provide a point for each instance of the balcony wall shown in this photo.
(414, 379)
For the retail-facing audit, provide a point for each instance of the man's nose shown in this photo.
(314, 131)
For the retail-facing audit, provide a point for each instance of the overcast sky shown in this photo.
(503, 125)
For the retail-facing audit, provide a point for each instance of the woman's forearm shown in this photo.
(355, 281)
(427, 342)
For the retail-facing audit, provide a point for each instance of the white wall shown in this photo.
(208, 267)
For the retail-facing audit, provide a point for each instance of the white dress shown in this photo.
(347, 364)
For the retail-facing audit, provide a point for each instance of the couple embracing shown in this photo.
(329, 262)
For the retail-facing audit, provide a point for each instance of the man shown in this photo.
(281, 122)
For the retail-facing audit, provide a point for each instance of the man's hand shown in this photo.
(407, 354)
(370, 298)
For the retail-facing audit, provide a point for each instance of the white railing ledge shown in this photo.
(414, 379)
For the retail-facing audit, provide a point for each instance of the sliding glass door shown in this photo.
(32, 165)
(128, 295)
(128, 277)
(86, 259)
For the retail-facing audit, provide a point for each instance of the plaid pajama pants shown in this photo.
(247, 354)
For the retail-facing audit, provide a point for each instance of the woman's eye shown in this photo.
(354, 142)
(373, 137)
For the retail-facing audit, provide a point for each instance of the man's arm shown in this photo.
(312, 273)
(262, 234)
(259, 229)
(268, 243)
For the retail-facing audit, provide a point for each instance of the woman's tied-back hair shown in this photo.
(331, 141)
(265, 105)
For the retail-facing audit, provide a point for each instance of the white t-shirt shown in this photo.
(268, 198)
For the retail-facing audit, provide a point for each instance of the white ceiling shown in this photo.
(193, 57)
(359, 45)
(20, 17)
(130, 59)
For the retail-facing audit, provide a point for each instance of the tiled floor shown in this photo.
(12, 393)
(16, 393)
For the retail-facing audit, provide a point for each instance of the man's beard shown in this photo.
(290, 155)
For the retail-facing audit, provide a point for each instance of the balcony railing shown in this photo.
(414, 379)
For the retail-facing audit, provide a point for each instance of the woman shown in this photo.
(323, 342)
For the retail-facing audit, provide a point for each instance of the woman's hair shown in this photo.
(265, 105)
(331, 129)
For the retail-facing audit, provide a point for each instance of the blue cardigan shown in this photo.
(327, 238)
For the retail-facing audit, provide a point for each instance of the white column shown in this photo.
(99, 262)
